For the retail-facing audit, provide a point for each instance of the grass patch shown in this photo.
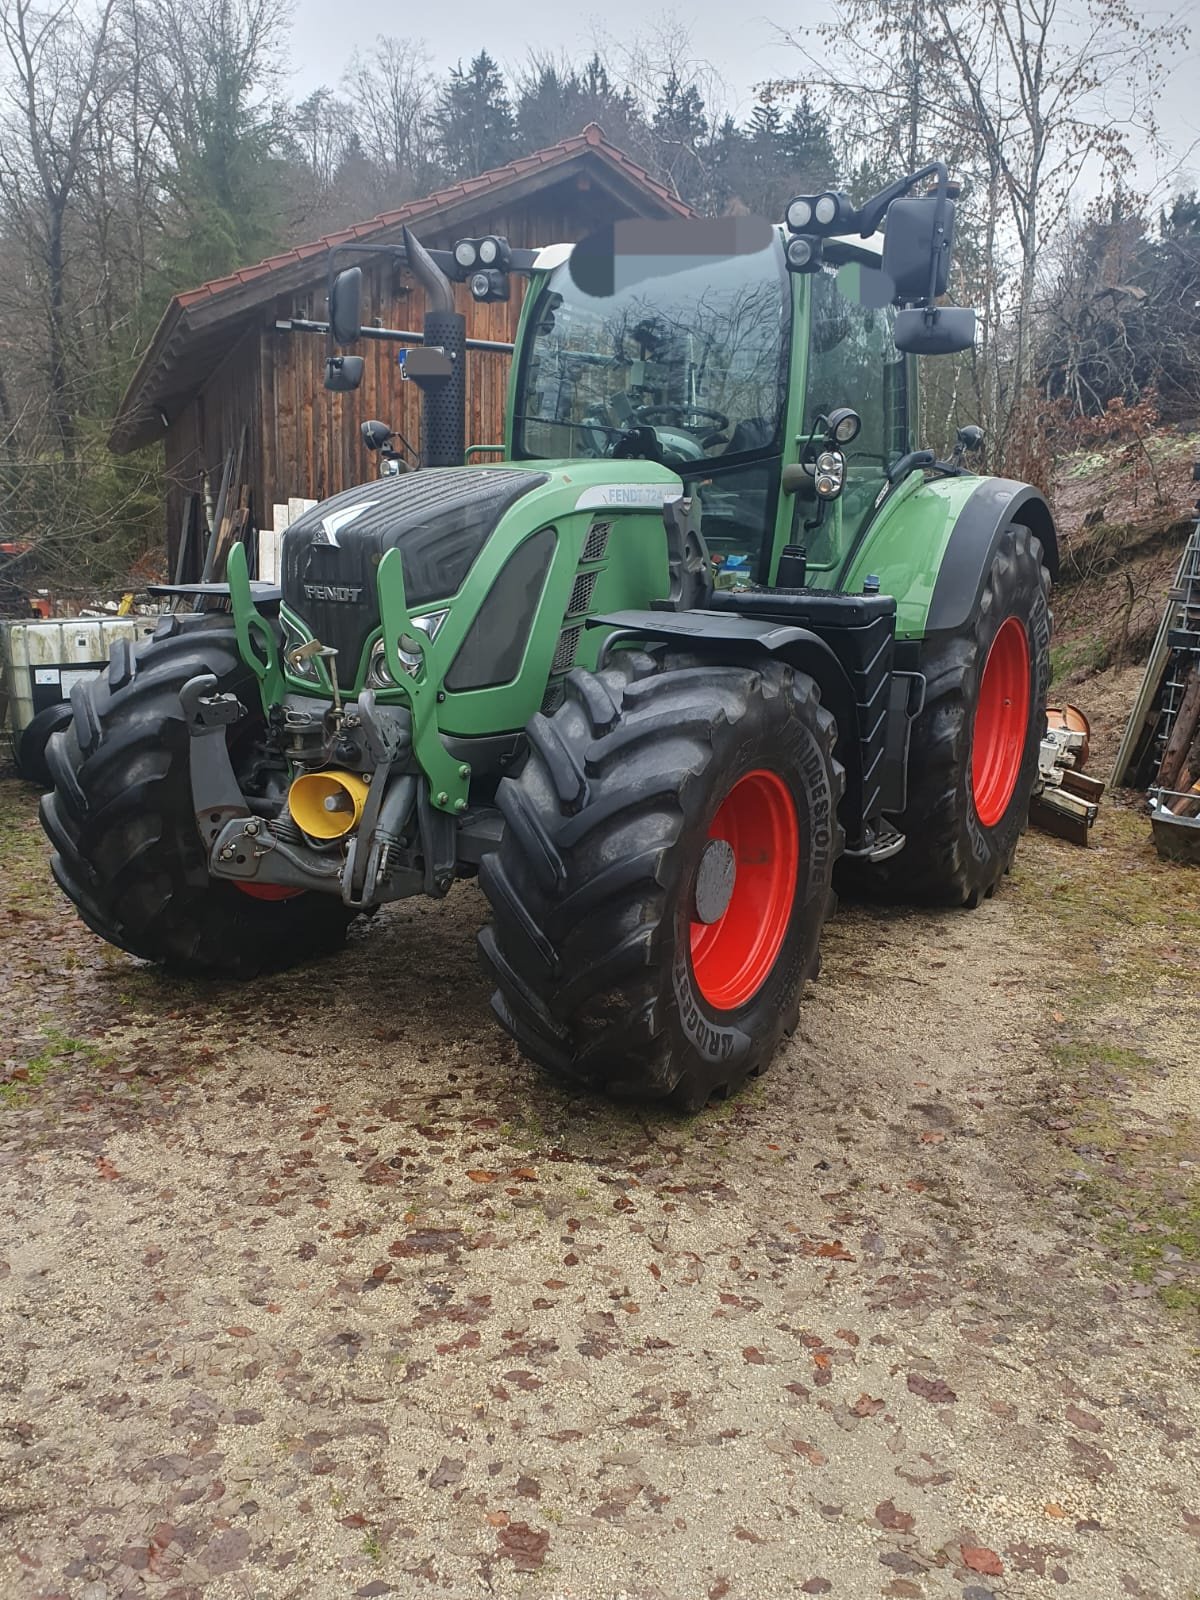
(1086, 653)
(58, 1051)
(1128, 925)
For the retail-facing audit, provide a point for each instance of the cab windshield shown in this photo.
(695, 349)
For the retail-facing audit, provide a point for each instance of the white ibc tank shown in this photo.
(43, 660)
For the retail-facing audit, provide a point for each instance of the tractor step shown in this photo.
(885, 842)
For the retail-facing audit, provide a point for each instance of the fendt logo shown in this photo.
(331, 591)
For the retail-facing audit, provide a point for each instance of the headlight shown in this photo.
(379, 675)
(294, 640)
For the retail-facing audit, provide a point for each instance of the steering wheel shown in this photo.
(673, 415)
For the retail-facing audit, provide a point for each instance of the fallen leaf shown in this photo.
(811, 1454)
(834, 1250)
(524, 1546)
(447, 1473)
(1084, 1419)
(719, 1589)
(105, 1168)
(753, 1356)
(483, 1177)
(1053, 1509)
(816, 1586)
(933, 1138)
(934, 1390)
(866, 1406)
(354, 1520)
(498, 1519)
(980, 1559)
(745, 1533)
(889, 1516)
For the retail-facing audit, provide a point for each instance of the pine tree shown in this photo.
(474, 118)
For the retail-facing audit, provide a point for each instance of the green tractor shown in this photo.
(712, 626)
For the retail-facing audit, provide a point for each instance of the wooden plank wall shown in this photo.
(305, 441)
(207, 430)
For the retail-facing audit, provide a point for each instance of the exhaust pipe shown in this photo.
(444, 411)
(327, 805)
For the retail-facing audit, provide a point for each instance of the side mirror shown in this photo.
(345, 306)
(970, 439)
(343, 373)
(914, 246)
(375, 435)
(941, 331)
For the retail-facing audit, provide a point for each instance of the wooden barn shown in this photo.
(220, 380)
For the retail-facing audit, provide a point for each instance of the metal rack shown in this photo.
(1175, 805)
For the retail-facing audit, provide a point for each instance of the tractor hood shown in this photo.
(439, 520)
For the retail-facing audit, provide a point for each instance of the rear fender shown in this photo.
(933, 549)
(737, 637)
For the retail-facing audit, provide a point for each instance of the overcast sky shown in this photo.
(739, 41)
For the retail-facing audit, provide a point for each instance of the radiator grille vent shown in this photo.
(553, 698)
(581, 593)
(564, 655)
(597, 541)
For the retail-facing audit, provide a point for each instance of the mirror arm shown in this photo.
(915, 460)
(872, 213)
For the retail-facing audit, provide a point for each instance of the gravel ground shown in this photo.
(312, 1288)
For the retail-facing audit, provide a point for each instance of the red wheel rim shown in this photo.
(268, 891)
(1001, 722)
(732, 957)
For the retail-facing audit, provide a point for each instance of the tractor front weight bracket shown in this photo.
(256, 637)
(449, 780)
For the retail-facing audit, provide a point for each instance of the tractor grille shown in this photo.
(597, 541)
(553, 698)
(564, 655)
(581, 593)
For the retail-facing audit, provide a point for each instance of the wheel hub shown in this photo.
(745, 889)
(715, 880)
(1001, 721)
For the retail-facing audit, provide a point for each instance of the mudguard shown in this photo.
(741, 635)
(931, 546)
(967, 559)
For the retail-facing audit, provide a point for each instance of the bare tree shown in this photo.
(61, 75)
(390, 101)
(1026, 97)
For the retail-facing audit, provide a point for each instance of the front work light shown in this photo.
(490, 284)
(799, 214)
(803, 254)
(843, 425)
(830, 212)
(491, 252)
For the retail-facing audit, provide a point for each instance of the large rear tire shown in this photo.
(120, 817)
(973, 757)
(664, 874)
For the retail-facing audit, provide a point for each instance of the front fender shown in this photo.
(932, 547)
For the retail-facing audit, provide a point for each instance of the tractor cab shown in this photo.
(723, 368)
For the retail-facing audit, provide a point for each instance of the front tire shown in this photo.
(973, 756)
(664, 874)
(127, 849)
